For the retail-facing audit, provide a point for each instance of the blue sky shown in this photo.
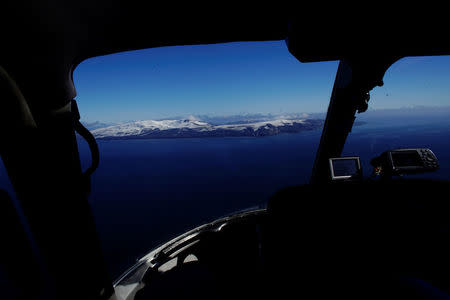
(236, 78)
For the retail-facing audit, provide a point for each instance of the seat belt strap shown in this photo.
(90, 139)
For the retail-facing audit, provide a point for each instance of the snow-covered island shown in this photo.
(189, 128)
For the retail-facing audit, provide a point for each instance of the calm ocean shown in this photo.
(148, 191)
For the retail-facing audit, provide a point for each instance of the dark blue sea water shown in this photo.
(147, 191)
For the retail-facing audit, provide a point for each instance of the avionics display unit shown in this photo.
(345, 168)
(406, 161)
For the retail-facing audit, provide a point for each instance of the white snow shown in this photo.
(141, 127)
(258, 125)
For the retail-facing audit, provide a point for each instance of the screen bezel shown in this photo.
(333, 177)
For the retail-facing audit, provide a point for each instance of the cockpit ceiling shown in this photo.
(85, 28)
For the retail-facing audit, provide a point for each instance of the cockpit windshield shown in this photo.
(189, 134)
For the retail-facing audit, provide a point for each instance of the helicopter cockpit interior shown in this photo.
(350, 232)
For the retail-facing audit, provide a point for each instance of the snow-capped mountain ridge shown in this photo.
(195, 128)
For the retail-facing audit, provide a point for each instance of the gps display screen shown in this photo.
(345, 167)
(406, 159)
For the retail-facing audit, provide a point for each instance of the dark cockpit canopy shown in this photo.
(43, 41)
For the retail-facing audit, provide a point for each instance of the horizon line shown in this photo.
(255, 114)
